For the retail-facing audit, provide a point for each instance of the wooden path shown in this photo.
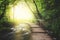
(39, 34)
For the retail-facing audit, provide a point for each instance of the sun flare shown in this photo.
(20, 13)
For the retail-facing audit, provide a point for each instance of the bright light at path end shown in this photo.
(22, 13)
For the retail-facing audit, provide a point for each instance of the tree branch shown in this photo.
(38, 13)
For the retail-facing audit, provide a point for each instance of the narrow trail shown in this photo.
(38, 33)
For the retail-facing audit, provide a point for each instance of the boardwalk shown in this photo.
(39, 34)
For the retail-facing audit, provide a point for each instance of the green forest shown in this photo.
(46, 10)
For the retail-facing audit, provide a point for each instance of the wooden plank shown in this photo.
(37, 30)
(40, 36)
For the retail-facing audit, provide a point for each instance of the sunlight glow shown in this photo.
(21, 13)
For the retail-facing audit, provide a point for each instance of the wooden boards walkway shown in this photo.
(38, 33)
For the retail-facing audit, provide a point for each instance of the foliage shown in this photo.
(50, 11)
(4, 23)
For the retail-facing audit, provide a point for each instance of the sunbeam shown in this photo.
(20, 13)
